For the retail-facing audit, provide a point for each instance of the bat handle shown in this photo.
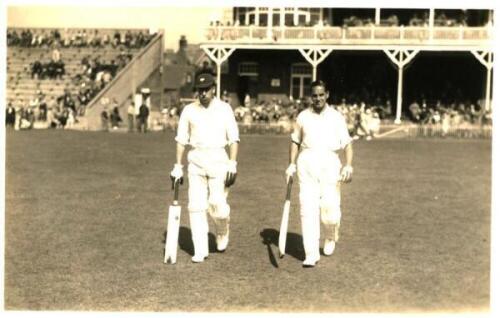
(176, 190)
(289, 188)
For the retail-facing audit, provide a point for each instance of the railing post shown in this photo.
(401, 32)
(372, 35)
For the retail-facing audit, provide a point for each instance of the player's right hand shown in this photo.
(290, 171)
(177, 174)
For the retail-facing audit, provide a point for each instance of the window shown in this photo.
(300, 80)
(248, 69)
(301, 69)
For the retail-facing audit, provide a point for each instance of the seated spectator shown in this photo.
(116, 38)
(66, 39)
(425, 114)
(105, 39)
(36, 70)
(240, 112)
(486, 118)
(13, 38)
(365, 125)
(27, 118)
(84, 39)
(56, 35)
(414, 110)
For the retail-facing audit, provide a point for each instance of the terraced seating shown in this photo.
(21, 85)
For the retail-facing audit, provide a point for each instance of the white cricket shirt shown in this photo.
(210, 127)
(324, 131)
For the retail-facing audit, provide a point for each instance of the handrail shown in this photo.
(127, 80)
(336, 33)
(123, 71)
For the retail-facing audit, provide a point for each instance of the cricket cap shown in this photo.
(204, 80)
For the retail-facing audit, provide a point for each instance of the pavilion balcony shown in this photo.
(373, 34)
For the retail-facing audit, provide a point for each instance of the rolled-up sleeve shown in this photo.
(183, 128)
(232, 132)
(343, 132)
(297, 131)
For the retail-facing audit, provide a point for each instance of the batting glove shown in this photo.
(176, 174)
(231, 173)
(346, 174)
(290, 171)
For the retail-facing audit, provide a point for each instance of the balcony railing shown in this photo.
(350, 35)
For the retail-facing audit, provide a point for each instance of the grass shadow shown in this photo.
(186, 243)
(293, 248)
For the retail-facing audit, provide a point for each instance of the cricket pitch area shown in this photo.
(86, 215)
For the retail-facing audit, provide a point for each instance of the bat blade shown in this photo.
(171, 242)
(284, 228)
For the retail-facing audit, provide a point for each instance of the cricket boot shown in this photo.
(310, 236)
(199, 234)
(222, 230)
(310, 261)
(331, 237)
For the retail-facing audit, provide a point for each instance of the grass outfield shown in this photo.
(86, 216)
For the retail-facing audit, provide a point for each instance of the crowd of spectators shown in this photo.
(53, 68)
(38, 112)
(78, 38)
(364, 119)
(95, 73)
(448, 115)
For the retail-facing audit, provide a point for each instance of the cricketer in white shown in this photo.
(207, 125)
(320, 134)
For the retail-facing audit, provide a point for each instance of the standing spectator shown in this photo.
(320, 171)
(105, 119)
(10, 116)
(115, 118)
(56, 55)
(130, 115)
(142, 118)
(42, 109)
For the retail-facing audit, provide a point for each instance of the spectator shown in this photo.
(130, 115)
(36, 70)
(115, 118)
(56, 55)
(142, 118)
(42, 109)
(414, 109)
(10, 116)
(105, 119)
(241, 112)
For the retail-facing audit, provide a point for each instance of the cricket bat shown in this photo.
(284, 219)
(174, 218)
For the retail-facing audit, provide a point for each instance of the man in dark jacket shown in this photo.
(142, 118)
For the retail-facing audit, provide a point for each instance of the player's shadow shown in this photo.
(293, 248)
(186, 243)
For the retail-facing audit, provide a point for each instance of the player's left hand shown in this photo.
(346, 174)
(231, 173)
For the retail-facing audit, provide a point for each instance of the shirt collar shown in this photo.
(325, 110)
(212, 102)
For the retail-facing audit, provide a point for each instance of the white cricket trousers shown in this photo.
(206, 174)
(319, 173)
